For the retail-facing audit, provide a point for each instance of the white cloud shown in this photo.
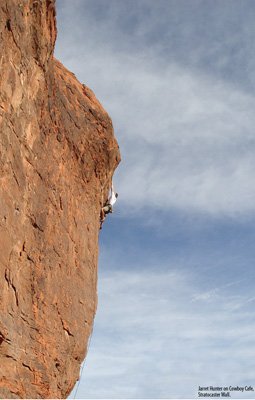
(152, 341)
(187, 142)
(187, 138)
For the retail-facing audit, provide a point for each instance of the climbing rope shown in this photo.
(83, 365)
(79, 381)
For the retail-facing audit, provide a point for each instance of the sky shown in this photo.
(176, 268)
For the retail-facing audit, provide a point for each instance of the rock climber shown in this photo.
(108, 207)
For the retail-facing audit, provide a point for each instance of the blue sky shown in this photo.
(176, 269)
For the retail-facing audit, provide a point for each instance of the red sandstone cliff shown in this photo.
(57, 157)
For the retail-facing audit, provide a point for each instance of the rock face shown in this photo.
(57, 157)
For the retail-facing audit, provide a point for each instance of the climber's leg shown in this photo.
(104, 211)
(102, 218)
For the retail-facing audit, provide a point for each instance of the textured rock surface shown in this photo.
(57, 157)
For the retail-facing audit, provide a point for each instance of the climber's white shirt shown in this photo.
(112, 199)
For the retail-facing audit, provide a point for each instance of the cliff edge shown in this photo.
(57, 157)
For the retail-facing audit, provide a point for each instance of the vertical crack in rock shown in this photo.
(57, 157)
